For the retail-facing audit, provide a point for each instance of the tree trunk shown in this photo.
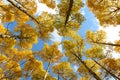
(47, 70)
(111, 44)
(24, 11)
(90, 71)
(113, 75)
(68, 12)
(58, 76)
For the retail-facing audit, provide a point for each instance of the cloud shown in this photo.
(84, 1)
(115, 54)
(56, 38)
(42, 7)
(6, 2)
(82, 12)
(75, 68)
(112, 35)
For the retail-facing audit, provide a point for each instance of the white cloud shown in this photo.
(60, 48)
(75, 68)
(5, 1)
(56, 38)
(42, 7)
(112, 35)
(115, 54)
(82, 12)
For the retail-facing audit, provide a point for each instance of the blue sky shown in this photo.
(91, 23)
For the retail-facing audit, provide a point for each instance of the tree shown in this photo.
(105, 10)
(18, 60)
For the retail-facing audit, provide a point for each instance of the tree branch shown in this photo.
(90, 71)
(13, 36)
(47, 70)
(113, 75)
(111, 44)
(24, 11)
(68, 12)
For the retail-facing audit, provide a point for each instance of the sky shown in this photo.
(90, 23)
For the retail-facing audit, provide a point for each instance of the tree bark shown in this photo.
(90, 71)
(113, 75)
(24, 11)
(111, 44)
(68, 12)
(47, 70)
(58, 76)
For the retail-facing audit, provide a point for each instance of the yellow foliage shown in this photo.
(14, 67)
(20, 17)
(84, 78)
(90, 36)
(8, 17)
(98, 36)
(72, 48)
(117, 48)
(7, 43)
(95, 52)
(28, 35)
(35, 67)
(109, 63)
(48, 21)
(63, 69)
(1, 71)
(49, 3)
(50, 53)
(69, 45)
(18, 55)
(64, 6)
(31, 6)
(17, 58)
(77, 5)
(25, 54)
(2, 29)
(91, 64)
(40, 75)
(107, 11)
(3, 58)
(6, 13)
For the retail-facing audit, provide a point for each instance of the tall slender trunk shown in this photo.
(90, 71)
(68, 12)
(47, 70)
(113, 75)
(14, 3)
(58, 76)
(111, 44)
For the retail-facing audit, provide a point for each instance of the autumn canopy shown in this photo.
(19, 61)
